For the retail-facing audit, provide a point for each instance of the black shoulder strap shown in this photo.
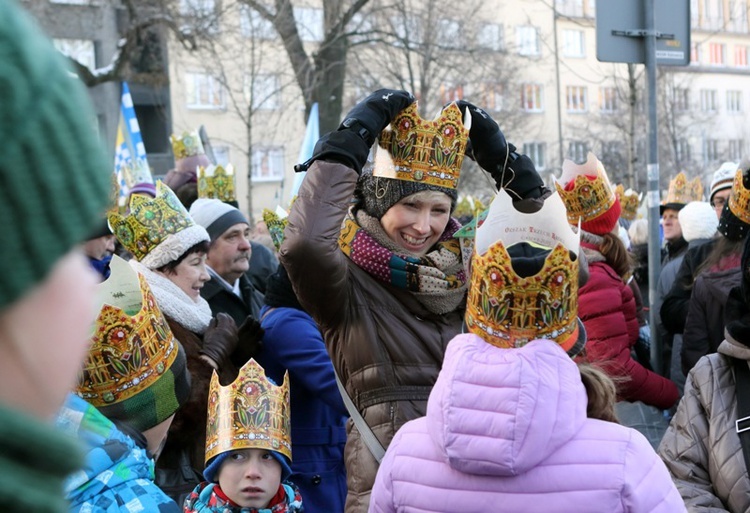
(742, 425)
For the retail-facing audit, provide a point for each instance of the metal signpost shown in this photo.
(650, 32)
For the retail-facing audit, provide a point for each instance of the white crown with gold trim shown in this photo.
(508, 310)
(250, 413)
(216, 182)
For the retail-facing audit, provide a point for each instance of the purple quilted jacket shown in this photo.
(506, 430)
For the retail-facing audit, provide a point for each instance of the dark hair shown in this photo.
(724, 247)
(169, 268)
(616, 255)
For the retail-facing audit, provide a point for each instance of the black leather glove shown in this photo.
(510, 170)
(350, 143)
(250, 341)
(220, 339)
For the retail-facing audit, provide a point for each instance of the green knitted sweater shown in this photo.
(34, 461)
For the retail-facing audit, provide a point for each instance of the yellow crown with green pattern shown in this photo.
(156, 231)
(417, 150)
(683, 192)
(187, 145)
(630, 201)
(508, 310)
(739, 198)
(132, 345)
(216, 182)
(250, 413)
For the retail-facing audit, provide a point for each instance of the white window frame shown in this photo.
(82, 50)
(717, 54)
(537, 152)
(253, 25)
(578, 151)
(527, 40)
(736, 149)
(709, 101)
(271, 158)
(221, 154)
(574, 43)
(450, 33)
(734, 102)
(576, 99)
(263, 90)
(491, 36)
(537, 94)
(608, 99)
(214, 89)
(681, 99)
(683, 150)
(710, 150)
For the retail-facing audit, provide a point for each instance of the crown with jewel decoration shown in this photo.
(216, 182)
(156, 230)
(276, 223)
(630, 201)
(417, 150)
(739, 198)
(508, 310)
(591, 194)
(187, 145)
(132, 345)
(250, 413)
(683, 192)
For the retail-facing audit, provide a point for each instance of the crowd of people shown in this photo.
(380, 356)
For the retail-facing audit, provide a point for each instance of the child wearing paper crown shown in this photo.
(512, 424)
(248, 448)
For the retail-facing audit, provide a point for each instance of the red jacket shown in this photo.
(607, 308)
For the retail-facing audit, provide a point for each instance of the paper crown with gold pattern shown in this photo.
(681, 192)
(630, 201)
(187, 145)
(157, 230)
(509, 310)
(588, 195)
(739, 198)
(276, 223)
(216, 182)
(135, 370)
(250, 413)
(417, 150)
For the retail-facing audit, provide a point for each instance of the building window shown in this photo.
(203, 91)
(450, 33)
(681, 99)
(708, 100)
(263, 91)
(531, 97)
(740, 56)
(408, 30)
(608, 99)
(569, 7)
(713, 14)
(576, 98)
(696, 53)
(309, 23)
(734, 102)
(717, 54)
(738, 16)
(268, 164)
(578, 151)
(221, 155)
(735, 150)
(710, 150)
(254, 25)
(682, 151)
(490, 37)
(527, 40)
(202, 13)
(81, 50)
(451, 93)
(573, 43)
(537, 152)
(492, 96)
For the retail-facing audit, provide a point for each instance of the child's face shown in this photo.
(250, 477)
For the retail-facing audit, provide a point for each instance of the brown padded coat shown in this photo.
(385, 346)
(701, 447)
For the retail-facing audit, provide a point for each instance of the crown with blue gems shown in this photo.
(250, 413)
(418, 150)
(508, 310)
(216, 182)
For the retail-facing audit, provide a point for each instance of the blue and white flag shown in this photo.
(131, 164)
(312, 134)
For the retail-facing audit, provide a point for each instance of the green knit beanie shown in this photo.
(54, 177)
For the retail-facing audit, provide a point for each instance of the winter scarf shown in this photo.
(208, 497)
(35, 459)
(438, 279)
(174, 303)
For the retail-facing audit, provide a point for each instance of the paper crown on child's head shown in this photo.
(588, 195)
(276, 223)
(187, 145)
(524, 277)
(250, 413)
(156, 230)
(135, 370)
(681, 192)
(216, 182)
(417, 150)
(629, 200)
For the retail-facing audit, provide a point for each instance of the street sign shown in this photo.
(620, 31)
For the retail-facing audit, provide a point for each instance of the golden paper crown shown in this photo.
(132, 345)
(630, 201)
(508, 310)
(216, 182)
(187, 145)
(739, 198)
(276, 223)
(250, 413)
(591, 195)
(417, 150)
(152, 221)
(136, 171)
(683, 192)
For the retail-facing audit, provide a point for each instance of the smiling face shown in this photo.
(191, 274)
(417, 221)
(250, 477)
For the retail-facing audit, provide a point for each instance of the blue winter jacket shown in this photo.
(118, 475)
(293, 342)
